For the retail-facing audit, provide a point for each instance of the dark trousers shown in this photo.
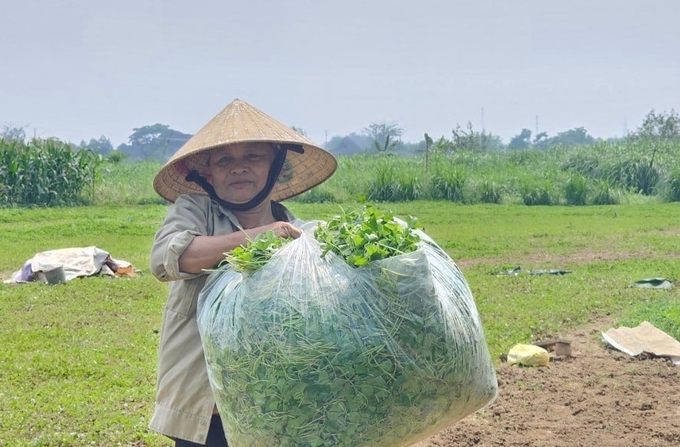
(216, 436)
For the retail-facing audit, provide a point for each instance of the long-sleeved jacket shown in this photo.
(184, 400)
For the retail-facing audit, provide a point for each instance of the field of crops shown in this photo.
(606, 173)
(46, 174)
(79, 358)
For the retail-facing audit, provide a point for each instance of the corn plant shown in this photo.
(45, 173)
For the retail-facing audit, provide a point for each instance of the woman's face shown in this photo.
(238, 172)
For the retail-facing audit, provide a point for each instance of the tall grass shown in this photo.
(127, 183)
(576, 190)
(538, 192)
(602, 173)
(605, 194)
(669, 187)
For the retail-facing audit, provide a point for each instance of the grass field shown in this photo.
(79, 358)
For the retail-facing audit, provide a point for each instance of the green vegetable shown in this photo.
(362, 237)
(256, 254)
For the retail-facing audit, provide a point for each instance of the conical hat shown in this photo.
(240, 122)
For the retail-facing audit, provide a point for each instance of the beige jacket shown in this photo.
(184, 400)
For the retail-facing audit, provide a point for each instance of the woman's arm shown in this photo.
(205, 252)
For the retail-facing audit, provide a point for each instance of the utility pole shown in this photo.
(536, 124)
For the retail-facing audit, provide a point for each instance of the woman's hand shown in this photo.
(280, 229)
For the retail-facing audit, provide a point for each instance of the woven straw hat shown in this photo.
(240, 122)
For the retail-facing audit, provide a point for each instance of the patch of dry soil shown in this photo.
(598, 397)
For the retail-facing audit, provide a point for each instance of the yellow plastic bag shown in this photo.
(528, 355)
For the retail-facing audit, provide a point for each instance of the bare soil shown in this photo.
(597, 397)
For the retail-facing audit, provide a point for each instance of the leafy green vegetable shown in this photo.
(256, 254)
(369, 235)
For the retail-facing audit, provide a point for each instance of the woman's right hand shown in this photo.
(280, 229)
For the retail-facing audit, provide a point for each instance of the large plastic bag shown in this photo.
(309, 351)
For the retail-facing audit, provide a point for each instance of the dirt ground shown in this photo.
(597, 397)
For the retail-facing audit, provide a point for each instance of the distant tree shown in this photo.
(521, 141)
(10, 132)
(660, 126)
(157, 141)
(145, 135)
(470, 140)
(349, 144)
(383, 137)
(541, 140)
(115, 157)
(493, 142)
(572, 137)
(101, 146)
(464, 140)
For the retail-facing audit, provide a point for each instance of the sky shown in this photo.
(80, 69)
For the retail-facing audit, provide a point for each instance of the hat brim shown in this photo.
(300, 173)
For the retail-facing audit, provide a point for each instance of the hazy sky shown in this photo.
(78, 69)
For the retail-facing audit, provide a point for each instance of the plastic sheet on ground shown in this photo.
(644, 338)
(73, 263)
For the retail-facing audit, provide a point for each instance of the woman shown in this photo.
(225, 184)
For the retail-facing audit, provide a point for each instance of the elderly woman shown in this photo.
(225, 184)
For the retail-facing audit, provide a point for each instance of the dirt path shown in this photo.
(599, 397)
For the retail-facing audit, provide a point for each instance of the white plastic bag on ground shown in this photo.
(309, 351)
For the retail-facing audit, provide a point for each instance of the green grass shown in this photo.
(661, 309)
(78, 362)
(79, 358)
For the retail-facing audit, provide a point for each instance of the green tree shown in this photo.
(349, 144)
(659, 126)
(101, 146)
(157, 141)
(469, 140)
(572, 137)
(521, 140)
(464, 140)
(541, 140)
(12, 133)
(384, 136)
(146, 135)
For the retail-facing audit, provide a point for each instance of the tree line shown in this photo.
(159, 141)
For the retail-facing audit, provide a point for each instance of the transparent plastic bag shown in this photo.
(309, 351)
